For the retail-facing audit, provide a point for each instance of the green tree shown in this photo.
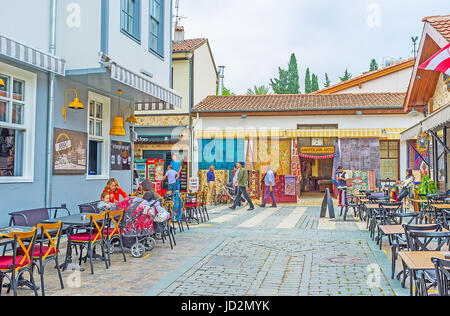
(327, 81)
(373, 65)
(261, 90)
(280, 85)
(315, 83)
(347, 75)
(225, 91)
(308, 83)
(293, 84)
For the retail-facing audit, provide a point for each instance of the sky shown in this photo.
(252, 38)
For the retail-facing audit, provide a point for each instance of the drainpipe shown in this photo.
(191, 102)
(51, 99)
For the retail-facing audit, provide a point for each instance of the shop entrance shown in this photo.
(316, 174)
(316, 157)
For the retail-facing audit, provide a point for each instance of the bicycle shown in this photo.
(226, 192)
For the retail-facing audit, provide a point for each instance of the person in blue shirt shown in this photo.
(269, 181)
(211, 180)
(176, 165)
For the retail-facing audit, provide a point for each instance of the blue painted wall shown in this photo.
(72, 190)
(20, 196)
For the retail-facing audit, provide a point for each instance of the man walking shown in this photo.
(269, 181)
(242, 182)
(172, 177)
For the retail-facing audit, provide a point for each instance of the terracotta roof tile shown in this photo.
(301, 102)
(187, 45)
(441, 23)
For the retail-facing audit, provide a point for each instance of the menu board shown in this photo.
(120, 155)
(183, 177)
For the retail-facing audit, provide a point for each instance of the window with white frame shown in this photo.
(17, 107)
(156, 41)
(98, 135)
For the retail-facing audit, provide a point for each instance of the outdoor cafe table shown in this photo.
(419, 260)
(76, 221)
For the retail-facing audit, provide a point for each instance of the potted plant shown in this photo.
(427, 186)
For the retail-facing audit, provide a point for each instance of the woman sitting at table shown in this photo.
(114, 190)
(406, 184)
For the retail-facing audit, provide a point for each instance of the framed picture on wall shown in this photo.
(120, 155)
(69, 152)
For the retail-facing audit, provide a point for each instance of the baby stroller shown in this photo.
(138, 229)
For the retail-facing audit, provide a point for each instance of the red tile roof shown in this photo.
(441, 23)
(187, 45)
(368, 76)
(300, 102)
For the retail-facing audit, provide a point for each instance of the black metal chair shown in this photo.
(385, 217)
(398, 242)
(426, 241)
(442, 270)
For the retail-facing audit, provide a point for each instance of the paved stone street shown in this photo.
(273, 251)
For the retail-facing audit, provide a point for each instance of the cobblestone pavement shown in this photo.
(273, 251)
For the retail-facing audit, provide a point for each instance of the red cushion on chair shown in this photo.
(81, 237)
(111, 230)
(191, 205)
(37, 251)
(7, 261)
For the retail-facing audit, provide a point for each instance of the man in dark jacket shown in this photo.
(242, 182)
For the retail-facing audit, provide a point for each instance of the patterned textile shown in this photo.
(276, 153)
(289, 185)
(222, 176)
(362, 180)
(253, 184)
(296, 167)
(279, 191)
(361, 154)
(250, 155)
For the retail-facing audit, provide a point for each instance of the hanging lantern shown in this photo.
(132, 119)
(118, 127)
(1, 82)
(75, 104)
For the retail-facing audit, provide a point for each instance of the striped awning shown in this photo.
(240, 133)
(31, 56)
(167, 99)
(338, 133)
(388, 133)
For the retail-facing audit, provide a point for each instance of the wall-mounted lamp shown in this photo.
(359, 113)
(75, 104)
(243, 116)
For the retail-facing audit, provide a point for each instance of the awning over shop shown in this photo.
(388, 133)
(167, 99)
(240, 133)
(152, 135)
(143, 93)
(31, 56)
(433, 121)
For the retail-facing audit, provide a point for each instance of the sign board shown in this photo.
(193, 184)
(317, 150)
(69, 152)
(327, 204)
(120, 155)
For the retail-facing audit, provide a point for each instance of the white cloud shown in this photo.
(252, 38)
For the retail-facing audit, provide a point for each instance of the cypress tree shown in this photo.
(308, 83)
(315, 83)
(327, 81)
(293, 84)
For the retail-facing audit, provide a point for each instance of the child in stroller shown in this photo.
(139, 221)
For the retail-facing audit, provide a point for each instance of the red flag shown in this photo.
(439, 61)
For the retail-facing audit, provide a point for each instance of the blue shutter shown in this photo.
(161, 29)
(137, 19)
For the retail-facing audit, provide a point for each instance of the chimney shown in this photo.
(179, 34)
(221, 76)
